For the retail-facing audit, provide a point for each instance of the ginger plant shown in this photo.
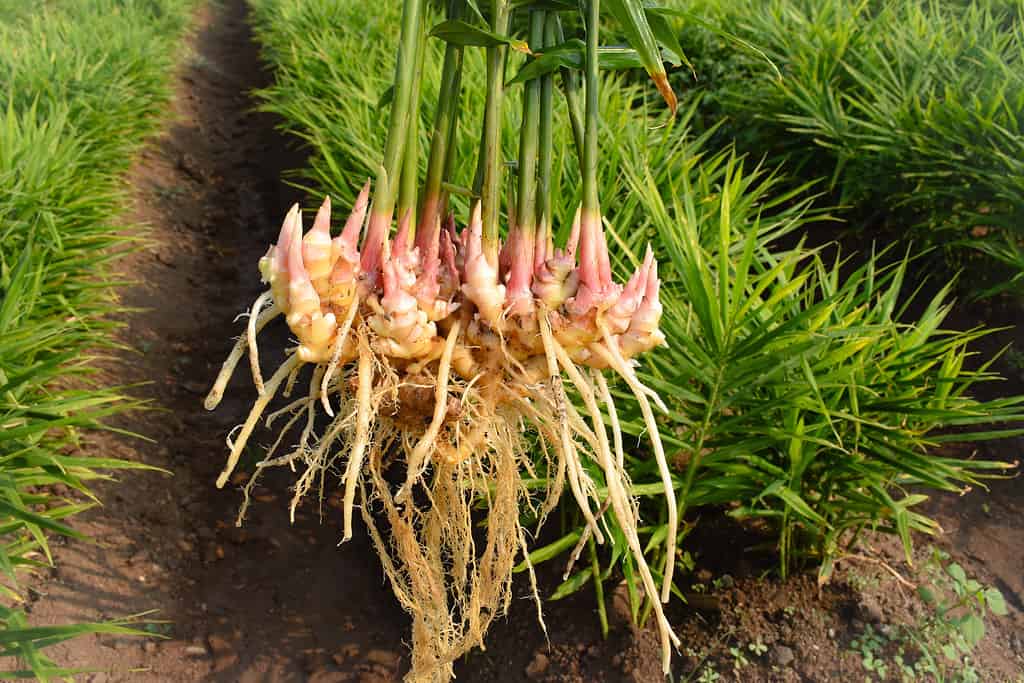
(436, 353)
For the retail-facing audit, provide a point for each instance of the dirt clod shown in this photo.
(782, 655)
(538, 666)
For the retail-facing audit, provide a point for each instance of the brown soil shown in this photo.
(280, 602)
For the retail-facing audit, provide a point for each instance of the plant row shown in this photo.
(800, 393)
(84, 83)
(911, 112)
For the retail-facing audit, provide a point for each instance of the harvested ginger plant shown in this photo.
(441, 357)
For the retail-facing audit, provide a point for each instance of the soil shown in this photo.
(280, 602)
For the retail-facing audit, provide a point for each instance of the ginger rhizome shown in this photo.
(440, 359)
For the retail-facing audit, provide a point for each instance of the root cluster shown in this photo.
(419, 430)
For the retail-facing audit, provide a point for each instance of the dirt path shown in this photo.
(281, 603)
(271, 601)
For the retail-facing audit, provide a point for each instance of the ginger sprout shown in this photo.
(435, 352)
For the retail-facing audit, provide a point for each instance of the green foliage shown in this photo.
(914, 110)
(795, 395)
(939, 644)
(83, 82)
(807, 398)
(337, 104)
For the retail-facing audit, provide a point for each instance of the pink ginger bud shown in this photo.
(621, 312)
(643, 333)
(274, 266)
(317, 249)
(303, 299)
(313, 328)
(428, 285)
(481, 277)
(520, 248)
(345, 252)
(405, 329)
(448, 274)
(556, 279)
(596, 291)
(376, 233)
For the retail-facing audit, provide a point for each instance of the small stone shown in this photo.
(316, 660)
(870, 610)
(782, 655)
(185, 546)
(196, 651)
(385, 659)
(210, 554)
(222, 650)
(347, 653)
(536, 668)
(149, 647)
(726, 581)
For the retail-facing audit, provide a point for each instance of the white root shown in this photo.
(582, 543)
(613, 415)
(621, 504)
(314, 387)
(533, 584)
(316, 461)
(567, 445)
(258, 407)
(339, 345)
(609, 352)
(250, 329)
(364, 412)
(213, 399)
(418, 459)
(289, 386)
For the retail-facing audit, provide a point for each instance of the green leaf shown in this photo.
(572, 584)
(459, 32)
(668, 37)
(995, 601)
(717, 30)
(550, 551)
(633, 19)
(972, 628)
(571, 55)
(553, 5)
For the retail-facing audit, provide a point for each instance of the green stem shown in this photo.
(490, 191)
(595, 569)
(405, 76)
(450, 153)
(439, 163)
(571, 90)
(526, 210)
(411, 157)
(547, 82)
(591, 114)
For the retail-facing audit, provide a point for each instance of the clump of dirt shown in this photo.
(281, 602)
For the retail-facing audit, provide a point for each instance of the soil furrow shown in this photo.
(280, 602)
